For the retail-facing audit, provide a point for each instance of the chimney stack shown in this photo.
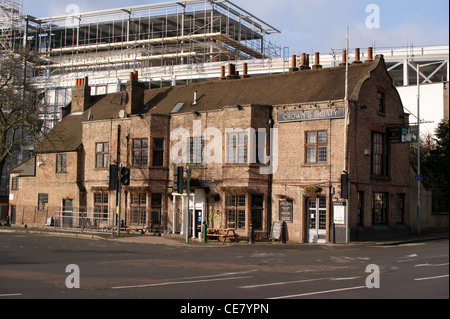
(344, 58)
(81, 96)
(304, 63)
(293, 67)
(232, 72)
(222, 73)
(245, 71)
(135, 92)
(357, 56)
(369, 55)
(317, 62)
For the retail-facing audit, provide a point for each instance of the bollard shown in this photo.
(204, 231)
(252, 235)
(282, 239)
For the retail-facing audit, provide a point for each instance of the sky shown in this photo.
(316, 25)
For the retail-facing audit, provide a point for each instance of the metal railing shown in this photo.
(81, 221)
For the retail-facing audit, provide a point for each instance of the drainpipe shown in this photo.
(270, 179)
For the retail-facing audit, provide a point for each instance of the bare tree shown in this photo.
(19, 112)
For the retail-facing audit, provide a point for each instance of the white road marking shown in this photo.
(180, 282)
(298, 282)
(431, 265)
(430, 278)
(10, 295)
(318, 292)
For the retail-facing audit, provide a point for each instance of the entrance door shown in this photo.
(317, 220)
(67, 212)
(13, 215)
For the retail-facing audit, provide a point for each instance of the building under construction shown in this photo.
(163, 38)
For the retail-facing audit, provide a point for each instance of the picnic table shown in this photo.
(222, 234)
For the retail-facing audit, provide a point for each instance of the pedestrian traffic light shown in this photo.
(178, 180)
(113, 170)
(125, 176)
(344, 186)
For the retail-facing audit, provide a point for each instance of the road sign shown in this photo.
(419, 178)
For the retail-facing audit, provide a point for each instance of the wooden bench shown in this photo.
(222, 234)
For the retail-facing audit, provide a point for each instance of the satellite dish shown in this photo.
(122, 114)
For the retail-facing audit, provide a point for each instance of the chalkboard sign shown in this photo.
(285, 208)
(276, 230)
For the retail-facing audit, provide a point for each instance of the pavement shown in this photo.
(176, 240)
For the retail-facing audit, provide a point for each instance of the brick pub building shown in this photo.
(298, 118)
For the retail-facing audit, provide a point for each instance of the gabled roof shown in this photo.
(279, 89)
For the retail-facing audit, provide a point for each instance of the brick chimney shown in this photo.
(344, 58)
(304, 62)
(245, 71)
(369, 55)
(317, 62)
(357, 56)
(81, 96)
(135, 91)
(232, 72)
(222, 73)
(293, 67)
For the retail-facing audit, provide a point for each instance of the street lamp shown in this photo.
(418, 144)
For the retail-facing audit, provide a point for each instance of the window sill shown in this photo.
(380, 178)
(315, 164)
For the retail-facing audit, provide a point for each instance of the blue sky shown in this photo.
(316, 25)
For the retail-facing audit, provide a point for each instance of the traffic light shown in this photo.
(178, 180)
(125, 176)
(113, 170)
(344, 186)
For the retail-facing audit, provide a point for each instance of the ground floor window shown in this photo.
(138, 208)
(42, 201)
(235, 211)
(380, 208)
(156, 209)
(101, 206)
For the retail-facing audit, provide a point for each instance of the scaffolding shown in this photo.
(140, 37)
(105, 45)
(10, 19)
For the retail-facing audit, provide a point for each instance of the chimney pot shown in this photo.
(357, 56)
(317, 61)
(293, 67)
(344, 58)
(304, 62)
(369, 54)
(231, 71)
(245, 71)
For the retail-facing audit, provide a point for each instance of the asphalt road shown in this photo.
(35, 267)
